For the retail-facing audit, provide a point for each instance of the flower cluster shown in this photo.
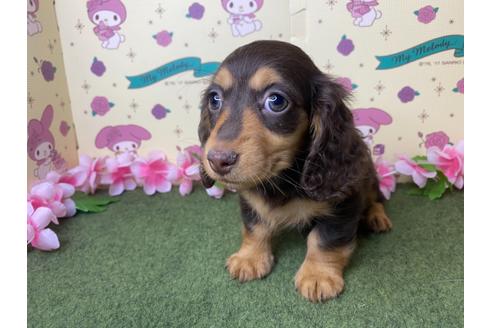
(50, 199)
(442, 168)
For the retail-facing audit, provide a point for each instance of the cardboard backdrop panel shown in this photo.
(51, 133)
(135, 69)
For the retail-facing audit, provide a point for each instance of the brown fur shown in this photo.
(254, 259)
(224, 78)
(320, 276)
(263, 77)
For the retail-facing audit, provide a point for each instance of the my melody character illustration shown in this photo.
(368, 121)
(107, 15)
(41, 145)
(242, 19)
(122, 139)
(364, 12)
(33, 25)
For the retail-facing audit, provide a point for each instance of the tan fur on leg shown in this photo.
(377, 220)
(254, 260)
(320, 277)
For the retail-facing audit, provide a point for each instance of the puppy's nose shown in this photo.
(222, 161)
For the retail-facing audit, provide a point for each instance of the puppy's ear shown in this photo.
(334, 164)
(203, 134)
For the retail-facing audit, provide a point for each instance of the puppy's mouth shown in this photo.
(236, 178)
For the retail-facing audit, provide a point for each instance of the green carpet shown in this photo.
(159, 262)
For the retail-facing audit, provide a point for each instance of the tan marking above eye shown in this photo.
(263, 77)
(224, 78)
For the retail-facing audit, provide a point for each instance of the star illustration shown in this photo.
(213, 35)
(86, 87)
(379, 87)
(133, 105)
(331, 3)
(30, 99)
(187, 107)
(160, 11)
(131, 54)
(51, 47)
(79, 26)
(386, 33)
(439, 89)
(328, 66)
(423, 116)
(178, 131)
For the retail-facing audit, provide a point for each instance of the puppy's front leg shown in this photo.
(254, 260)
(329, 246)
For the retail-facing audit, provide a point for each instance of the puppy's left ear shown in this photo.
(203, 134)
(337, 153)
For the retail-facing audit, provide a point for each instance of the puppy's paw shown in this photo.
(318, 285)
(246, 267)
(377, 220)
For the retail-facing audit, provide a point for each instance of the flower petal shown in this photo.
(70, 206)
(149, 189)
(164, 186)
(41, 217)
(116, 188)
(46, 240)
(185, 187)
(30, 233)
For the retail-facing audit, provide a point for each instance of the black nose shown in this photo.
(222, 161)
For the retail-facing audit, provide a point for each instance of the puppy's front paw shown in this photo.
(377, 220)
(318, 285)
(246, 267)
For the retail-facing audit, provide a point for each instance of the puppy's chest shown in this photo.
(297, 211)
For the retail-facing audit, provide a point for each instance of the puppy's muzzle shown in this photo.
(222, 161)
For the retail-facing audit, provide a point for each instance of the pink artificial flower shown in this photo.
(451, 161)
(55, 196)
(118, 174)
(88, 173)
(155, 173)
(216, 191)
(407, 166)
(438, 139)
(56, 177)
(188, 170)
(37, 234)
(386, 177)
(196, 153)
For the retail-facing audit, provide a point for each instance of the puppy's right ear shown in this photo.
(203, 134)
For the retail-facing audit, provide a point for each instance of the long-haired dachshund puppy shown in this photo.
(278, 130)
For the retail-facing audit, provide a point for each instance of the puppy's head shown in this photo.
(268, 105)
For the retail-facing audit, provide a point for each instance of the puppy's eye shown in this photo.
(214, 101)
(276, 103)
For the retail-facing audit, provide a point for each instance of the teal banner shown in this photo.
(428, 48)
(172, 68)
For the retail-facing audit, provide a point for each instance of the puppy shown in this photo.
(278, 130)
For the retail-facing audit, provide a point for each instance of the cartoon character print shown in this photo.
(242, 18)
(122, 139)
(368, 121)
(33, 25)
(364, 12)
(107, 15)
(41, 145)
